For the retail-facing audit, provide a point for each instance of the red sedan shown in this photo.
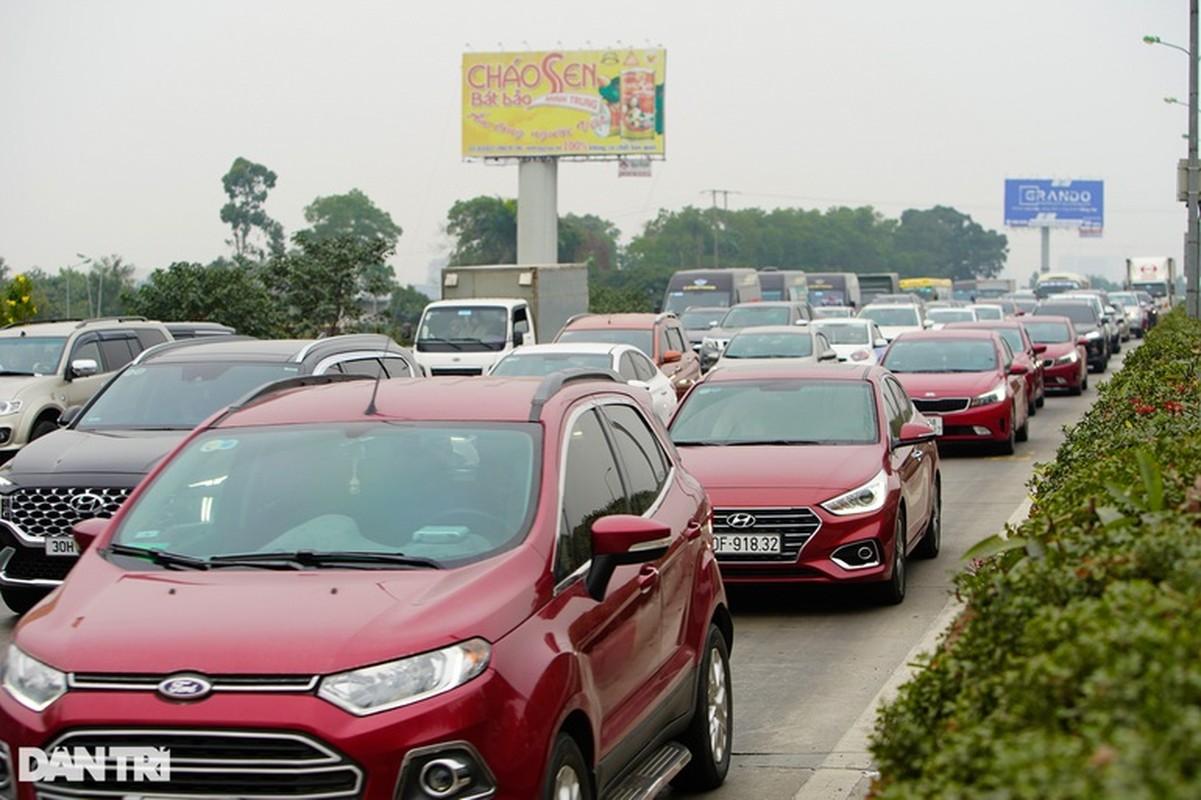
(817, 474)
(967, 380)
(380, 590)
(1026, 353)
(1065, 354)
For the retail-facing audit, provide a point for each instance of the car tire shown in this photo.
(1078, 389)
(892, 591)
(931, 541)
(1041, 400)
(709, 734)
(19, 600)
(1022, 434)
(567, 774)
(1007, 447)
(1084, 383)
(1032, 406)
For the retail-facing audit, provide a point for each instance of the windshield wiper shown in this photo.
(771, 442)
(164, 558)
(15, 372)
(312, 558)
(700, 443)
(439, 339)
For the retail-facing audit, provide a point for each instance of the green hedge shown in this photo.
(1075, 669)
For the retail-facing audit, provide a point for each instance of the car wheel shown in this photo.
(1023, 433)
(709, 733)
(19, 600)
(567, 777)
(892, 591)
(41, 428)
(1042, 396)
(1078, 389)
(1084, 383)
(1031, 406)
(931, 541)
(1007, 447)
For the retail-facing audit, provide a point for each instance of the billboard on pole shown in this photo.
(576, 103)
(1043, 203)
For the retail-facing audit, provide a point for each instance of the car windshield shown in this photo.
(451, 328)
(753, 344)
(945, 315)
(694, 319)
(176, 396)
(941, 355)
(703, 294)
(891, 316)
(1047, 332)
(30, 355)
(356, 494)
(832, 312)
(1076, 312)
(989, 312)
(845, 334)
(1125, 298)
(785, 411)
(519, 363)
(642, 338)
(750, 316)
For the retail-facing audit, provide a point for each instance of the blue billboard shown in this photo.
(1040, 203)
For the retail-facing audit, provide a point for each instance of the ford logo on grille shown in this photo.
(87, 504)
(742, 520)
(185, 687)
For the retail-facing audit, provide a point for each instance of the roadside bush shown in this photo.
(1075, 668)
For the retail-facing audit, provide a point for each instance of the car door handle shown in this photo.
(692, 529)
(648, 578)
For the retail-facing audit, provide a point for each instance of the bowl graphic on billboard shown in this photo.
(637, 103)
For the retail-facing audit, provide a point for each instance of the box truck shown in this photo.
(1155, 275)
(485, 311)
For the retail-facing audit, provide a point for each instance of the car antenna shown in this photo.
(371, 410)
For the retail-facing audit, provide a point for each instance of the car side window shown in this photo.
(641, 455)
(396, 367)
(675, 339)
(644, 368)
(892, 410)
(1006, 354)
(149, 337)
(592, 489)
(88, 348)
(116, 353)
(369, 366)
(901, 403)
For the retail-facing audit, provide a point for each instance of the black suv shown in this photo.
(88, 467)
(1088, 323)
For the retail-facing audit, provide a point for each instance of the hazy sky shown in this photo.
(119, 117)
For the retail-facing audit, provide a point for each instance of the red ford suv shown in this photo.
(389, 589)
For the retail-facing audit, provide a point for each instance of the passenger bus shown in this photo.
(713, 288)
(834, 289)
(965, 290)
(872, 284)
(783, 284)
(1049, 283)
(929, 289)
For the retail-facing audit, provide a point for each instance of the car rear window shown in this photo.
(1047, 332)
(753, 344)
(526, 364)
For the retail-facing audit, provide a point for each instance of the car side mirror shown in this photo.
(86, 530)
(713, 323)
(914, 433)
(929, 323)
(672, 356)
(1018, 369)
(1082, 341)
(620, 539)
(1040, 348)
(828, 355)
(68, 416)
(83, 367)
(880, 343)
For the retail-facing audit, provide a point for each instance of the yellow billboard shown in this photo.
(578, 103)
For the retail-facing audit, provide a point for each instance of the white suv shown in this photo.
(46, 367)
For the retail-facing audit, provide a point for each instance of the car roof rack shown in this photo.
(574, 317)
(284, 384)
(555, 381)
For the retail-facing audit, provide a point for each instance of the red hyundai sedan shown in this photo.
(817, 474)
(389, 590)
(1065, 354)
(965, 380)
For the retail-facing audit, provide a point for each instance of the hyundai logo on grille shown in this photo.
(87, 504)
(741, 520)
(185, 687)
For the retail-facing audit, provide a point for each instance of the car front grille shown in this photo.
(206, 764)
(795, 525)
(51, 511)
(942, 405)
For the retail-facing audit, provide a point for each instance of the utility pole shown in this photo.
(725, 202)
(1192, 256)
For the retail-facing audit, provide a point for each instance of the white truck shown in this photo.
(1155, 275)
(485, 311)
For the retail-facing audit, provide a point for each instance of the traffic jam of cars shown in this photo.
(319, 569)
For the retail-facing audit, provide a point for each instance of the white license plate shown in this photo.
(61, 546)
(935, 423)
(746, 543)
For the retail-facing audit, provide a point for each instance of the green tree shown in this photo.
(221, 292)
(353, 214)
(943, 243)
(404, 309)
(589, 240)
(320, 282)
(484, 230)
(105, 283)
(246, 184)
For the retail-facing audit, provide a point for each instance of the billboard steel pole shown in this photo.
(1192, 256)
(538, 211)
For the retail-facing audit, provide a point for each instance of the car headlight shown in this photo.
(862, 499)
(33, 684)
(386, 686)
(995, 396)
(9, 407)
(1070, 358)
(710, 344)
